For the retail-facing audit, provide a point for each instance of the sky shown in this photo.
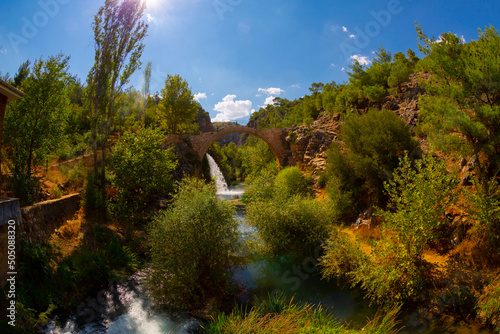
(237, 55)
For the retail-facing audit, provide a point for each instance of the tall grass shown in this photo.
(277, 315)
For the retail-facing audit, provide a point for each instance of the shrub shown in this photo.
(396, 272)
(488, 304)
(291, 181)
(373, 144)
(484, 208)
(375, 141)
(290, 226)
(343, 187)
(141, 168)
(342, 257)
(191, 246)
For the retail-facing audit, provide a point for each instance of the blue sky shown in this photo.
(238, 54)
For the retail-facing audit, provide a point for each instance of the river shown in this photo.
(123, 308)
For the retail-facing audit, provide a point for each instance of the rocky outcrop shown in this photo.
(309, 143)
(204, 121)
(405, 103)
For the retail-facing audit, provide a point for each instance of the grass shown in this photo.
(277, 315)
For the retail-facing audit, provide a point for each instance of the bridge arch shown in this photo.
(272, 137)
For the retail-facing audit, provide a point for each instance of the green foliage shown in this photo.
(118, 35)
(396, 272)
(41, 115)
(141, 168)
(191, 246)
(256, 158)
(36, 274)
(488, 304)
(341, 257)
(290, 226)
(484, 209)
(291, 181)
(277, 315)
(177, 109)
(288, 221)
(94, 199)
(462, 110)
(419, 196)
(373, 143)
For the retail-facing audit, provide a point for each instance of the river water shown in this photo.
(124, 308)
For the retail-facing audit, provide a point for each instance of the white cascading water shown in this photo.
(216, 173)
(138, 315)
(223, 191)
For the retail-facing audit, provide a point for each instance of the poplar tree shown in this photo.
(118, 33)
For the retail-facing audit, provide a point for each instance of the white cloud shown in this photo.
(343, 69)
(295, 86)
(150, 17)
(363, 60)
(344, 29)
(230, 110)
(269, 100)
(352, 36)
(333, 65)
(200, 96)
(462, 38)
(2, 50)
(272, 91)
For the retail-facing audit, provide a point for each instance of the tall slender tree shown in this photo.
(118, 33)
(145, 91)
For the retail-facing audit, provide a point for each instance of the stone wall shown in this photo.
(40, 220)
(10, 211)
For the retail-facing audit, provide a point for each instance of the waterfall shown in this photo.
(216, 173)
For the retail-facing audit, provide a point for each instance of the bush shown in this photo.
(343, 187)
(25, 187)
(488, 305)
(373, 144)
(191, 246)
(293, 226)
(396, 272)
(484, 208)
(141, 168)
(342, 257)
(291, 181)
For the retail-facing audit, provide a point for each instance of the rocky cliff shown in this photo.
(309, 143)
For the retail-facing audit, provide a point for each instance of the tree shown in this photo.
(141, 168)
(118, 34)
(374, 142)
(177, 109)
(145, 90)
(35, 124)
(400, 71)
(191, 247)
(462, 111)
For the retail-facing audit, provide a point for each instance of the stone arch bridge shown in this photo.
(272, 137)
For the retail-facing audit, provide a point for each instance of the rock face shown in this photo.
(309, 143)
(405, 103)
(204, 121)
